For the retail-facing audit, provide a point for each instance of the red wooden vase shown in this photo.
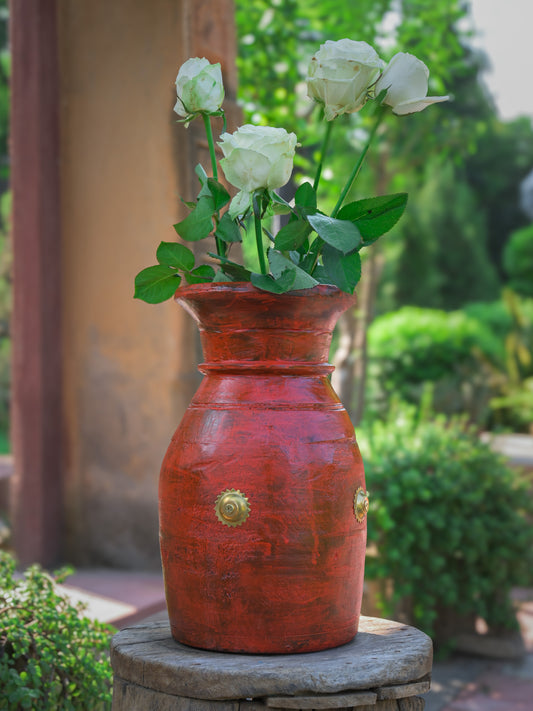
(262, 502)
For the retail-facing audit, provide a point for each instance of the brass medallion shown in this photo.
(232, 507)
(361, 504)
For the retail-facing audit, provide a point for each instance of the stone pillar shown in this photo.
(36, 421)
(101, 380)
(129, 367)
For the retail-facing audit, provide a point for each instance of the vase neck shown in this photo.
(245, 329)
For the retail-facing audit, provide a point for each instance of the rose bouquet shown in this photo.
(312, 247)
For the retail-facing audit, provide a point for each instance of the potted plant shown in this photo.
(262, 493)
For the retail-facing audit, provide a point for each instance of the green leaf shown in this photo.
(203, 273)
(200, 172)
(221, 276)
(234, 270)
(375, 216)
(341, 234)
(344, 270)
(156, 284)
(321, 275)
(279, 264)
(266, 282)
(199, 223)
(305, 197)
(220, 195)
(279, 205)
(311, 257)
(202, 177)
(228, 229)
(292, 235)
(277, 208)
(173, 254)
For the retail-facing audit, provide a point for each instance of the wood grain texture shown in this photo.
(330, 701)
(413, 704)
(403, 691)
(132, 697)
(384, 653)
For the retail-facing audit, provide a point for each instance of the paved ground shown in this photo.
(468, 683)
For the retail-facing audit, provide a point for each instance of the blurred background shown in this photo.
(444, 323)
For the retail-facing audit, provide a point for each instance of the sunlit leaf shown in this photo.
(156, 284)
(341, 234)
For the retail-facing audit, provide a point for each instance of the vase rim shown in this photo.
(246, 287)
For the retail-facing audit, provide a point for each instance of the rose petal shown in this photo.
(415, 105)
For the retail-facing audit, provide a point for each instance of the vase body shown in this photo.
(261, 545)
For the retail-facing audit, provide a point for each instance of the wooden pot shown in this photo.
(262, 493)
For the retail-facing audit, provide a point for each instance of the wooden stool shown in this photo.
(382, 669)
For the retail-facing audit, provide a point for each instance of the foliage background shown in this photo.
(461, 165)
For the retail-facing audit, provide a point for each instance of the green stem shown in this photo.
(323, 151)
(357, 167)
(221, 247)
(259, 234)
(211, 144)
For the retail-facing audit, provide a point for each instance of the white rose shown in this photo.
(340, 75)
(406, 79)
(256, 157)
(199, 87)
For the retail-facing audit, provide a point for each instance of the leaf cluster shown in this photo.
(312, 248)
(511, 376)
(518, 260)
(51, 657)
(451, 522)
(415, 345)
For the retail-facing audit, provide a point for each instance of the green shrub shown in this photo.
(444, 261)
(511, 375)
(51, 657)
(412, 346)
(498, 317)
(518, 261)
(450, 520)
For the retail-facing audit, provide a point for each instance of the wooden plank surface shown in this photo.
(332, 701)
(403, 691)
(384, 653)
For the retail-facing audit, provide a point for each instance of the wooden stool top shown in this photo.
(386, 658)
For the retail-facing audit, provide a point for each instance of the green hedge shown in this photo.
(518, 260)
(412, 346)
(450, 520)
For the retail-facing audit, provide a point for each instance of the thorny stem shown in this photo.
(357, 167)
(323, 151)
(211, 144)
(259, 234)
(221, 251)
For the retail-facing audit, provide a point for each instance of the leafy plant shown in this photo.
(450, 521)
(413, 346)
(444, 261)
(511, 378)
(51, 657)
(518, 260)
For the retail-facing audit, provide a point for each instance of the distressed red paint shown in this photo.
(265, 421)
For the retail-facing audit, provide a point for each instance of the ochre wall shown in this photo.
(129, 368)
